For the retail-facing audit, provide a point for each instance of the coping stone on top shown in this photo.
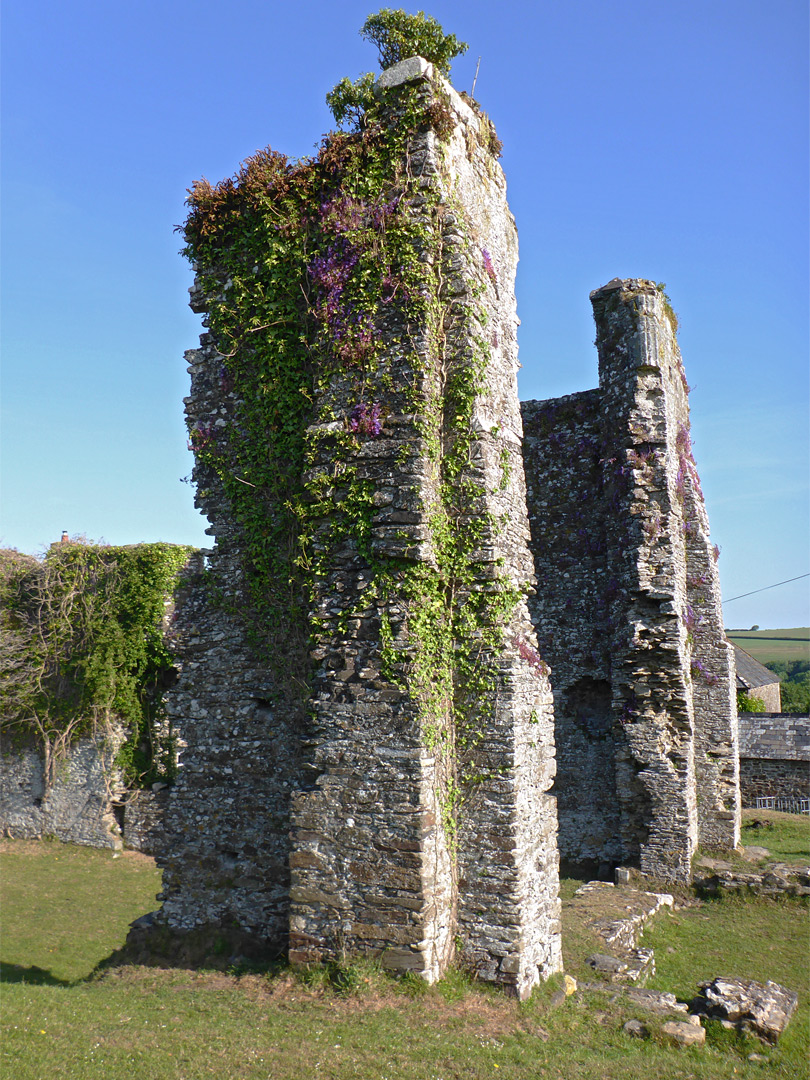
(415, 67)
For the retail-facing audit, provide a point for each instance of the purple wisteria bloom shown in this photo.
(531, 656)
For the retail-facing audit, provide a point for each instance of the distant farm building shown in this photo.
(756, 680)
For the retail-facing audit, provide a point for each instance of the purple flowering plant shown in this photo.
(200, 437)
(490, 269)
(539, 666)
(698, 668)
(365, 420)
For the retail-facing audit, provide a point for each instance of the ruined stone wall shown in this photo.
(393, 808)
(643, 681)
(377, 865)
(79, 807)
(570, 607)
(224, 848)
(143, 814)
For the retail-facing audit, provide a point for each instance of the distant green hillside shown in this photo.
(771, 646)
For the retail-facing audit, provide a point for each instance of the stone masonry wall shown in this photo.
(373, 865)
(777, 736)
(144, 813)
(78, 808)
(783, 779)
(570, 609)
(225, 844)
(774, 756)
(628, 608)
(363, 816)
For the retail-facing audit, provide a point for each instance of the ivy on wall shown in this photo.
(313, 273)
(83, 648)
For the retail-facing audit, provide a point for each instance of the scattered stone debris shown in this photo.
(763, 1009)
(634, 965)
(684, 1032)
(569, 987)
(657, 1001)
(706, 862)
(753, 853)
(654, 1001)
(778, 879)
(636, 1029)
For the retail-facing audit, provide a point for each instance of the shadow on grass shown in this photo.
(33, 976)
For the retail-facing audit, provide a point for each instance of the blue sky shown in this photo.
(666, 141)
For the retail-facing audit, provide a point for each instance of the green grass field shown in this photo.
(769, 646)
(66, 908)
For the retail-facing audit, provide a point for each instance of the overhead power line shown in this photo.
(766, 588)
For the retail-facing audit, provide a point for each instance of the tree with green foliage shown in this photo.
(351, 101)
(747, 703)
(794, 677)
(796, 695)
(398, 35)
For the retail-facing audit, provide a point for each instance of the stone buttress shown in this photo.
(628, 612)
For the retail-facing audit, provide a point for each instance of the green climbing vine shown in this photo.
(314, 273)
(83, 647)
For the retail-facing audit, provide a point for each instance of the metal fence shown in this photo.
(783, 803)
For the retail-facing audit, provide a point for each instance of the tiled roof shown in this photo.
(750, 672)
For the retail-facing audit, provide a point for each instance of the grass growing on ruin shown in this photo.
(66, 908)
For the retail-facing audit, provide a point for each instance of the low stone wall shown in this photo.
(78, 809)
(774, 756)
(783, 779)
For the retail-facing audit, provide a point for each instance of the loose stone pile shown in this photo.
(764, 1009)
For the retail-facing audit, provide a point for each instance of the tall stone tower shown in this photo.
(366, 723)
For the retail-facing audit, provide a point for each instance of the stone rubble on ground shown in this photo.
(636, 1029)
(635, 965)
(778, 879)
(763, 1009)
(684, 1033)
